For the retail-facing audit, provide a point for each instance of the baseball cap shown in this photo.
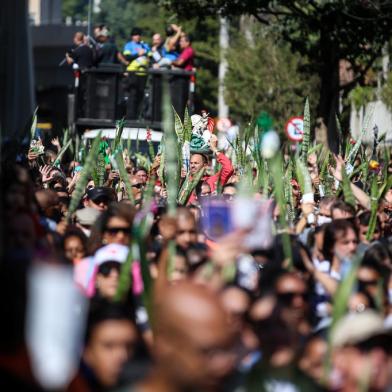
(101, 193)
(111, 252)
(356, 328)
(87, 216)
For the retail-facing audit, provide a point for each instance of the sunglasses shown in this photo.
(365, 283)
(100, 200)
(116, 230)
(106, 268)
(226, 196)
(287, 298)
(138, 186)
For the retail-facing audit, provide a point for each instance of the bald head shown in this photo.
(193, 318)
(176, 310)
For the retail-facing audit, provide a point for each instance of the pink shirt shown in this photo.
(187, 55)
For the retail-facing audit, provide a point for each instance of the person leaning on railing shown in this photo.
(136, 53)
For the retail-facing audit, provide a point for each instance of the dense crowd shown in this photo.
(229, 271)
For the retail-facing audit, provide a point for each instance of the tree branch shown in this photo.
(362, 73)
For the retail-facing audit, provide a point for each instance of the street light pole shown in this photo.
(223, 109)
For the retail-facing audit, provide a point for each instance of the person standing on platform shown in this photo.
(136, 52)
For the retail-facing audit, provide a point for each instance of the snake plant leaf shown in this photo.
(306, 136)
(340, 134)
(119, 130)
(346, 186)
(354, 151)
(178, 127)
(189, 185)
(125, 278)
(276, 173)
(59, 156)
(34, 124)
(187, 126)
(124, 174)
(373, 208)
(84, 176)
(303, 176)
(171, 151)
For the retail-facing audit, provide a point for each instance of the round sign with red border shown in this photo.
(295, 129)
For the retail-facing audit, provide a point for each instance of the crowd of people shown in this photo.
(173, 52)
(179, 297)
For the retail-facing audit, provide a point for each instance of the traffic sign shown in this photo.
(295, 129)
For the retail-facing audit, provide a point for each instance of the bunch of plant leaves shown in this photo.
(84, 176)
(124, 174)
(276, 173)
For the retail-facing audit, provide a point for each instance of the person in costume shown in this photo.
(204, 144)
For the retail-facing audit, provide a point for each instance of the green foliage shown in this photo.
(187, 125)
(122, 15)
(33, 124)
(306, 137)
(303, 176)
(125, 281)
(361, 95)
(85, 174)
(386, 92)
(61, 153)
(171, 153)
(323, 31)
(75, 9)
(373, 208)
(353, 152)
(340, 135)
(266, 76)
(346, 186)
(123, 174)
(188, 186)
(119, 130)
(276, 172)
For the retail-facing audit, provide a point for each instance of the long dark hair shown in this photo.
(332, 232)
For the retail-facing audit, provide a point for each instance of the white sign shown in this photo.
(295, 129)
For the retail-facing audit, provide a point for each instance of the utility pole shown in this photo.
(223, 109)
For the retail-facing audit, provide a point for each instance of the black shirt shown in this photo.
(83, 56)
(107, 54)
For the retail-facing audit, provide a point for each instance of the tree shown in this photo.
(75, 9)
(325, 31)
(122, 15)
(264, 76)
